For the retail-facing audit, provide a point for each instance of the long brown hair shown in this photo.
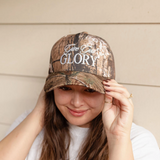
(56, 131)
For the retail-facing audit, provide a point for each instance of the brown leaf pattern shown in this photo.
(80, 59)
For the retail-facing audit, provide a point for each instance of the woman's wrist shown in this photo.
(121, 150)
(120, 147)
(39, 115)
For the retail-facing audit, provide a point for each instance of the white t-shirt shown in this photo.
(144, 144)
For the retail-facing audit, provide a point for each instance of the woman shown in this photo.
(82, 112)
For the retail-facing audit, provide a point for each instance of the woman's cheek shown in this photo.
(97, 102)
(61, 97)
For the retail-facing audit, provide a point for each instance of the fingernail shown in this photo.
(107, 85)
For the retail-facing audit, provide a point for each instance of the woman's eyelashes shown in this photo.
(90, 90)
(64, 88)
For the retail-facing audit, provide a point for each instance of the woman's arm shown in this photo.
(120, 149)
(17, 144)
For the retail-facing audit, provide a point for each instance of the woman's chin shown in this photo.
(86, 125)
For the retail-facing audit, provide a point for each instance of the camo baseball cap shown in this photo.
(80, 59)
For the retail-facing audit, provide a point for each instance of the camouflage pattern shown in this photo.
(80, 59)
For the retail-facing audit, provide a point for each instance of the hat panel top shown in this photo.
(82, 52)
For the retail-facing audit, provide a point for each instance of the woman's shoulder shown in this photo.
(144, 144)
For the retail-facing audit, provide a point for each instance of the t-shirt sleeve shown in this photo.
(144, 144)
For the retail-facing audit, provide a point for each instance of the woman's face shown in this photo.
(78, 104)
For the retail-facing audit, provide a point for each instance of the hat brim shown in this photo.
(88, 80)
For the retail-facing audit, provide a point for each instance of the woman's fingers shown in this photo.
(115, 87)
(125, 104)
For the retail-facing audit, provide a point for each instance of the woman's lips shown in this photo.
(77, 113)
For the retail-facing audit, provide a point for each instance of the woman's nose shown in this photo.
(77, 99)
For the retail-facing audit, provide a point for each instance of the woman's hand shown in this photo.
(40, 106)
(117, 115)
